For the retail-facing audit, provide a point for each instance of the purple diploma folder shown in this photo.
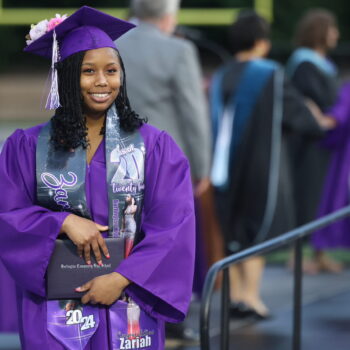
(67, 271)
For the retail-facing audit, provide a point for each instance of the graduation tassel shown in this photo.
(53, 99)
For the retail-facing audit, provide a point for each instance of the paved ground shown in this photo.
(22, 97)
(22, 101)
(326, 316)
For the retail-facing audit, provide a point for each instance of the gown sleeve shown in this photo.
(339, 136)
(27, 231)
(161, 266)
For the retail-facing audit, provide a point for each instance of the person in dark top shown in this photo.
(253, 109)
(335, 194)
(315, 77)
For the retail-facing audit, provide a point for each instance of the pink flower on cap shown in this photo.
(53, 22)
(43, 27)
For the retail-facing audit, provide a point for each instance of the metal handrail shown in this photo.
(289, 237)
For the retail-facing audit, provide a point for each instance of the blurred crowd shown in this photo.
(267, 143)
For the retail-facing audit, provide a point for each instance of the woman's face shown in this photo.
(100, 80)
(332, 37)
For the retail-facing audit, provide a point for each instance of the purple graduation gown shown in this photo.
(160, 266)
(336, 192)
(8, 308)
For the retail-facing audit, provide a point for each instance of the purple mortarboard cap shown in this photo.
(85, 29)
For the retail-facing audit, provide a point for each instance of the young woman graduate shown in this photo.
(73, 175)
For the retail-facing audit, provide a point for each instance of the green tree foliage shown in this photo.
(288, 12)
(122, 3)
(65, 3)
(286, 15)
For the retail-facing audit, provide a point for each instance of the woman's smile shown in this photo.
(100, 97)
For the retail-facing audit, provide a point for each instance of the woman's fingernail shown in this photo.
(88, 262)
(100, 263)
(108, 256)
(77, 289)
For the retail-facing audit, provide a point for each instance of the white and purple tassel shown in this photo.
(53, 99)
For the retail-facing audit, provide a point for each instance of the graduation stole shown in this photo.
(230, 119)
(305, 54)
(60, 179)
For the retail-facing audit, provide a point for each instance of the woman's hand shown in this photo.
(201, 186)
(105, 289)
(86, 235)
(326, 122)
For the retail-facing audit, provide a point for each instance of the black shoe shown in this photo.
(241, 310)
(260, 317)
(185, 335)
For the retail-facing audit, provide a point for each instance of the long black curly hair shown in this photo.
(69, 129)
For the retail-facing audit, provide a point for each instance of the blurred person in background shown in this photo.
(165, 86)
(315, 77)
(253, 109)
(336, 191)
(173, 99)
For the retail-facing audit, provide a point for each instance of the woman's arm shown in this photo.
(326, 122)
(28, 231)
(105, 289)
